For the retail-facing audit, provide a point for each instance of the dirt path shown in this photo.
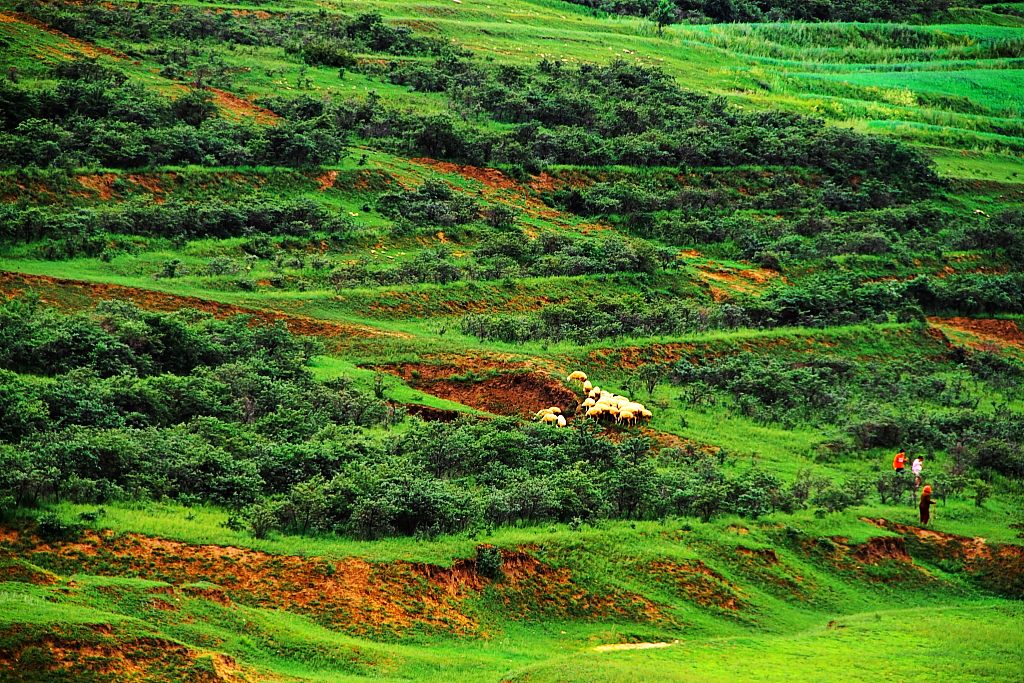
(87, 49)
(619, 647)
(56, 290)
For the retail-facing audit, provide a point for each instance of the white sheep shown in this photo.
(577, 376)
(587, 386)
(561, 421)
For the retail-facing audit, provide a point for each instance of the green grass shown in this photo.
(906, 645)
(953, 90)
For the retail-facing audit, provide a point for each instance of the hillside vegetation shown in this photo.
(291, 288)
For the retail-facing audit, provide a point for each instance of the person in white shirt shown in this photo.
(916, 468)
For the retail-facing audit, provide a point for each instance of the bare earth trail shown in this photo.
(57, 290)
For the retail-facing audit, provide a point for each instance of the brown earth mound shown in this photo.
(360, 597)
(764, 567)
(997, 567)
(236, 107)
(988, 331)
(501, 388)
(98, 653)
(531, 587)
(698, 583)
(85, 294)
(882, 548)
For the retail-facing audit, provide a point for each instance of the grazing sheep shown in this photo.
(561, 421)
(595, 412)
(550, 419)
(555, 409)
(541, 413)
(589, 403)
(587, 386)
(577, 376)
(626, 416)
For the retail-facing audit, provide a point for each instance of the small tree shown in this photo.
(664, 14)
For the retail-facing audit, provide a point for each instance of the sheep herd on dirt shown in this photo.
(600, 405)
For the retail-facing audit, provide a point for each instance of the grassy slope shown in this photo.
(787, 638)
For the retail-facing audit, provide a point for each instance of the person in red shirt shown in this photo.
(925, 506)
(899, 463)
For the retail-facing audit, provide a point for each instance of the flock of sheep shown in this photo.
(600, 405)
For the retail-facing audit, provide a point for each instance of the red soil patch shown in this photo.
(101, 184)
(431, 414)
(25, 573)
(882, 548)
(667, 440)
(237, 107)
(150, 183)
(632, 357)
(998, 567)
(259, 14)
(14, 284)
(513, 390)
(989, 331)
(97, 652)
(731, 281)
(351, 594)
(764, 567)
(326, 180)
(531, 587)
(698, 583)
(960, 547)
(500, 187)
(87, 49)
(491, 177)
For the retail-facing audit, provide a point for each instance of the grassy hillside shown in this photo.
(286, 284)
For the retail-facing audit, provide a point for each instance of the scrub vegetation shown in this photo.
(306, 305)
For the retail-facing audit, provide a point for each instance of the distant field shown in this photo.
(999, 90)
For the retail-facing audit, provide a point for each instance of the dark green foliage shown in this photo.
(489, 562)
(432, 204)
(629, 114)
(669, 11)
(70, 232)
(95, 117)
(298, 32)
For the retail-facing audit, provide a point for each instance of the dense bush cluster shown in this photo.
(599, 316)
(433, 204)
(629, 114)
(777, 213)
(122, 403)
(318, 37)
(255, 214)
(503, 255)
(699, 11)
(94, 116)
(921, 405)
(819, 300)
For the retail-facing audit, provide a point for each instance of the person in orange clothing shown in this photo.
(899, 463)
(926, 505)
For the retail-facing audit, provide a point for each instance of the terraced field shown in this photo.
(287, 285)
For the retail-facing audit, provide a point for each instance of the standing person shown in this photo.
(916, 468)
(926, 505)
(899, 463)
